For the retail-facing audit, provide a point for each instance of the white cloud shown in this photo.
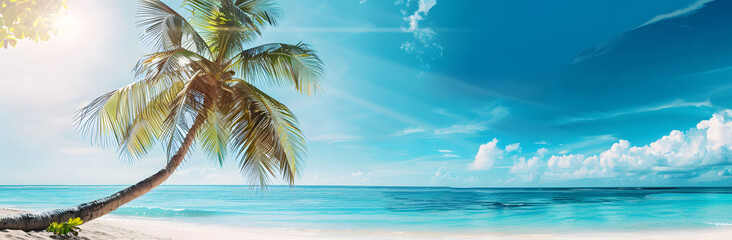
(447, 153)
(487, 155)
(527, 169)
(569, 166)
(471, 179)
(442, 175)
(461, 129)
(443, 111)
(423, 43)
(422, 11)
(679, 154)
(691, 8)
(589, 141)
(713, 175)
(513, 147)
(361, 175)
(410, 130)
(564, 152)
(542, 142)
(541, 151)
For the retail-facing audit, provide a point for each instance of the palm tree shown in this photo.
(199, 86)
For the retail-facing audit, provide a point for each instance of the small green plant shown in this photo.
(65, 229)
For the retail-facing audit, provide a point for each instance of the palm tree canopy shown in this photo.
(201, 67)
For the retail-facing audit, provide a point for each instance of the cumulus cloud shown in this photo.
(680, 154)
(442, 175)
(528, 169)
(513, 147)
(541, 151)
(487, 155)
(423, 41)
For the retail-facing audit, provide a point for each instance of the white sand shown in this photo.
(127, 228)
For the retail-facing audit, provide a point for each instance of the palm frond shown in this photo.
(165, 29)
(172, 66)
(281, 64)
(214, 136)
(227, 26)
(262, 12)
(128, 118)
(265, 134)
(195, 99)
(147, 128)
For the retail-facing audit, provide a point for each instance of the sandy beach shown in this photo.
(132, 228)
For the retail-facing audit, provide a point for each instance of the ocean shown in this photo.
(510, 210)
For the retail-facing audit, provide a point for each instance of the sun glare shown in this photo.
(70, 25)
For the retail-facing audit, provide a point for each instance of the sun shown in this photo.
(70, 25)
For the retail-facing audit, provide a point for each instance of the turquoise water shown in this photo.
(407, 208)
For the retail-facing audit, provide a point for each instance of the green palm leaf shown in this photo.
(281, 64)
(227, 26)
(265, 135)
(214, 136)
(165, 29)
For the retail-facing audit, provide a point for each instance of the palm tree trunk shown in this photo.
(92, 210)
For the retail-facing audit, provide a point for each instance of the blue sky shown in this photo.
(426, 92)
